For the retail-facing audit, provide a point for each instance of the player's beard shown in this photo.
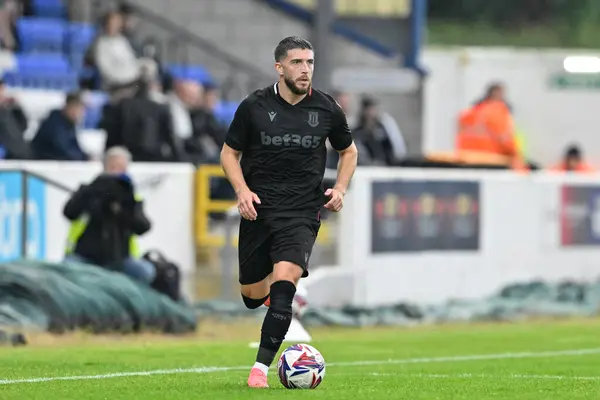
(293, 88)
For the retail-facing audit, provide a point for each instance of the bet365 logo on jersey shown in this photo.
(289, 140)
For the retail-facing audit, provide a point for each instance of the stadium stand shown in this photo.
(50, 62)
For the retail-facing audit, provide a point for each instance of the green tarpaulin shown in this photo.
(60, 297)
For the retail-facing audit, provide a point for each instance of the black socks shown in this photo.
(253, 303)
(277, 321)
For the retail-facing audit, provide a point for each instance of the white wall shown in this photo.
(167, 191)
(550, 118)
(519, 223)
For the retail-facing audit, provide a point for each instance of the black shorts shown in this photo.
(265, 242)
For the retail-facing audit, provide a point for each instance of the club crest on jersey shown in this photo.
(313, 119)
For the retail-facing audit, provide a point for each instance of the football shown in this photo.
(301, 367)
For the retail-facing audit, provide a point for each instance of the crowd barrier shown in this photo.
(430, 236)
(42, 188)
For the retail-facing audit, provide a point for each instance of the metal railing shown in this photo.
(25, 177)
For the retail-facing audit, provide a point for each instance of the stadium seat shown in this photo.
(49, 9)
(224, 111)
(191, 72)
(76, 59)
(49, 80)
(94, 102)
(43, 63)
(41, 35)
(79, 36)
(92, 117)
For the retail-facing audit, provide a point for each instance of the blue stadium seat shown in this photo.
(79, 36)
(49, 9)
(63, 81)
(41, 35)
(94, 102)
(225, 110)
(43, 63)
(190, 72)
(76, 59)
(93, 115)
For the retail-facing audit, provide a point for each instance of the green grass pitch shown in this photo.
(539, 360)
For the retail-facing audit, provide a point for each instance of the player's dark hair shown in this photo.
(291, 43)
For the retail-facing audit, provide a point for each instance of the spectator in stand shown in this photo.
(150, 53)
(130, 28)
(113, 55)
(143, 124)
(56, 138)
(573, 162)
(13, 124)
(9, 13)
(185, 95)
(13, 107)
(208, 134)
(380, 138)
(211, 97)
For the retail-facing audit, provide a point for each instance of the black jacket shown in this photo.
(114, 216)
(56, 139)
(144, 127)
(11, 134)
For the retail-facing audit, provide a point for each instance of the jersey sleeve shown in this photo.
(340, 136)
(238, 134)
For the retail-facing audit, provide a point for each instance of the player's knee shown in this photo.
(282, 296)
(287, 271)
(253, 303)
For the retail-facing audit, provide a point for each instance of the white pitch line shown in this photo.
(486, 376)
(199, 370)
(205, 370)
(529, 354)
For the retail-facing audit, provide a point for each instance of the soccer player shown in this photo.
(280, 132)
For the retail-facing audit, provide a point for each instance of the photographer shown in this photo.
(106, 218)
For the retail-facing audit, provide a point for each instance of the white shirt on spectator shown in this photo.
(116, 60)
(182, 120)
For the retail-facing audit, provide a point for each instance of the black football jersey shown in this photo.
(283, 148)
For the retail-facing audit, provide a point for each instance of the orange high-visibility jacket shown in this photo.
(487, 128)
(582, 167)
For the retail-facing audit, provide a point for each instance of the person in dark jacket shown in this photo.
(106, 218)
(372, 136)
(144, 126)
(208, 135)
(56, 139)
(13, 124)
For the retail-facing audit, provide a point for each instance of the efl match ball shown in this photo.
(301, 367)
